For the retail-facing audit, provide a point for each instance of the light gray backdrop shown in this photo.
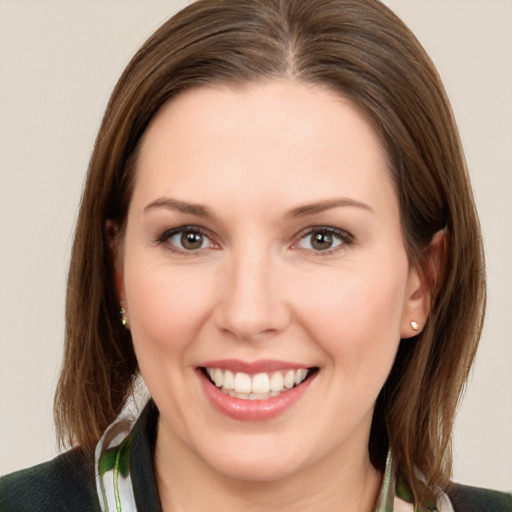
(58, 63)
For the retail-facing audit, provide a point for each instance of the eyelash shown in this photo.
(344, 237)
(165, 237)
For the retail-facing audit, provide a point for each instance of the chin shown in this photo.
(255, 470)
(256, 460)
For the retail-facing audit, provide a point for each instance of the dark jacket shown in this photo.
(67, 483)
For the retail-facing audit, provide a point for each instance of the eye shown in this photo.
(186, 239)
(323, 239)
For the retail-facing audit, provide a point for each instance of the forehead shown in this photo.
(240, 140)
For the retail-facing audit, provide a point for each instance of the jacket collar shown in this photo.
(125, 478)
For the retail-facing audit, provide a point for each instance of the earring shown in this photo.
(122, 316)
(415, 326)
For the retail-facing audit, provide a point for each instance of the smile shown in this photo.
(260, 386)
(256, 391)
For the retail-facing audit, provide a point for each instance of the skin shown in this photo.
(257, 289)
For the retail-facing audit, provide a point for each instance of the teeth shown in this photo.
(242, 383)
(260, 383)
(229, 380)
(258, 396)
(218, 377)
(256, 387)
(300, 375)
(289, 379)
(276, 382)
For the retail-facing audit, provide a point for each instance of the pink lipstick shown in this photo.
(254, 391)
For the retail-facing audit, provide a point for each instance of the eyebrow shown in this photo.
(314, 208)
(173, 204)
(301, 211)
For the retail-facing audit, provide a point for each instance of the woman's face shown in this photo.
(263, 246)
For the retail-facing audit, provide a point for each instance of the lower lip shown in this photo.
(253, 410)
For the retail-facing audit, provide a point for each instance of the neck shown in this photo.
(338, 484)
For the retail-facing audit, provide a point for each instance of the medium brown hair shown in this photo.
(361, 50)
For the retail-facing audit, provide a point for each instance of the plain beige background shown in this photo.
(58, 63)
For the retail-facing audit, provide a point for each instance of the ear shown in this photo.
(422, 284)
(115, 247)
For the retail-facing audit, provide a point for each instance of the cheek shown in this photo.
(166, 307)
(356, 317)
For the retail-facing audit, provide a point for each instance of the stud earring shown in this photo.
(122, 316)
(415, 326)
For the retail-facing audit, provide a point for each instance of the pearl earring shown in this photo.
(122, 316)
(415, 326)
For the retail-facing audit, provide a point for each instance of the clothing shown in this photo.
(120, 478)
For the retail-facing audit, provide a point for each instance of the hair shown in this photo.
(361, 50)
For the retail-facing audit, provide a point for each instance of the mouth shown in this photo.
(258, 386)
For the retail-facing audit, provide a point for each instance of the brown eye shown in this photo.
(191, 240)
(324, 239)
(186, 239)
(321, 241)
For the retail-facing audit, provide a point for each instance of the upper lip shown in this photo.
(254, 367)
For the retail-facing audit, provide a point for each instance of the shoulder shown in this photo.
(465, 498)
(65, 483)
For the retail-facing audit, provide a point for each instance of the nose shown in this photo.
(251, 303)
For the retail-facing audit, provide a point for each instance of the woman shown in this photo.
(278, 232)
